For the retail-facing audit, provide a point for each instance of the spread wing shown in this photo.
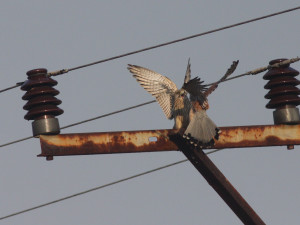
(188, 72)
(196, 89)
(161, 87)
(230, 70)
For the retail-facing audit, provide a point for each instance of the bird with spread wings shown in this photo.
(190, 118)
(202, 131)
(173, 101)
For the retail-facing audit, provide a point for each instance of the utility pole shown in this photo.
(283, 96)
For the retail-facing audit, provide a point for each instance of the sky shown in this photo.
(64, 34)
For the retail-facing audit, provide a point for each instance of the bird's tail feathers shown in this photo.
(201, 131)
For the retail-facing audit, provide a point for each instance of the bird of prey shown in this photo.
(173, 101)
(189, 115)
(201, 130)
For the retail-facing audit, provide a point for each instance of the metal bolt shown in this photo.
(49, 157)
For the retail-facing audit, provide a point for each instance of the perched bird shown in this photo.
(173, 101)
(202, 131)
(189, 116)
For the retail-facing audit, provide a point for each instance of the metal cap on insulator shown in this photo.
(283, 94)
(42, 104)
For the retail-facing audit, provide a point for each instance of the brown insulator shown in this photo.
(283, 94)
(42, 104)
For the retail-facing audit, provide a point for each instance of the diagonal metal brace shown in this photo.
(219, 182)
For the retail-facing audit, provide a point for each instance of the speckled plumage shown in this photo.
(173, 101)
(189, 115)
(201, 130)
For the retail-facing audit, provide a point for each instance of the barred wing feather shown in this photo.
(161, 87)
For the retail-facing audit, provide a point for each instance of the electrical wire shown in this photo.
(108, 114)
(16, 141)
(251, 72)
(262, 69)
(59, 72)
(12, 87)
(119, 111)
(102, 186)
(63, 71)
(84, 121)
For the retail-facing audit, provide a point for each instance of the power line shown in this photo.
(84, 121)
(16, 141)
(55, 73)
(136, 106)
(12, 87)
(100, 187)
(251, 72)
(63, 71)
(262, 69)
(108, 114)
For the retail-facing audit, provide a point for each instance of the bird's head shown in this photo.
(181, 93)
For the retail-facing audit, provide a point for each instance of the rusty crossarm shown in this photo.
(157, 140)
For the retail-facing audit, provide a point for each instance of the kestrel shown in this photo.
(173, 101)
(202, 131)
(189, 115)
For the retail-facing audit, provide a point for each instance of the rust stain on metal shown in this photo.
(105, 143)
(218, 182)
(257, 136)
(157, 140)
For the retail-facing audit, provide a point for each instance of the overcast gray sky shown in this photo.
(63, 34)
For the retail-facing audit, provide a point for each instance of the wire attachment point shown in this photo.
(41, 105)
(283, 94)
(58, 72)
